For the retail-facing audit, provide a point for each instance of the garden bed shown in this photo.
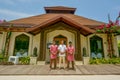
(105, 61)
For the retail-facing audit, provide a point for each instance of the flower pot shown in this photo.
(33, 60)
(86, 60)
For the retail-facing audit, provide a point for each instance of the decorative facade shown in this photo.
(23, 36)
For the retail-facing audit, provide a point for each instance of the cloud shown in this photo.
(13, 13)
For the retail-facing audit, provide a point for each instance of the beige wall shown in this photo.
(12, 42)
(33, 42)
(84, 43)
(36, 43)
(2, 41)
(114, 38)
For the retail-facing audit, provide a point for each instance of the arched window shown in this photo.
(21, 45)
(96, 47)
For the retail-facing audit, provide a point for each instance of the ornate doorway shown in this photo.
(59, 38)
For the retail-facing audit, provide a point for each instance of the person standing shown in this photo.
(53, 54)
(70, 55)
(62, 53)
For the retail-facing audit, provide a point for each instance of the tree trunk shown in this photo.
(7, 44)
(110, 45)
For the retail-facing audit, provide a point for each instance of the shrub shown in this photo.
(105, 61)
(3, 59)
(24, 60)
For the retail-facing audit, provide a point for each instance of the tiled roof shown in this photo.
(34, 20)
(38, 21)
(64, 19)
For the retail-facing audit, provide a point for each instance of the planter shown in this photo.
(86, 60)
(33, 60)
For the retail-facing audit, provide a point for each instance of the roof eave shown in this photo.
(57, 19)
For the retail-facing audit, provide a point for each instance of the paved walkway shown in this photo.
(107, 69)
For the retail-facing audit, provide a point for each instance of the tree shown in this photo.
(112, 28)
(6, 48)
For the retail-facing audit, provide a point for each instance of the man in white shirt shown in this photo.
(62, 53)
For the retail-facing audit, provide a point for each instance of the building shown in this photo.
(58, 23)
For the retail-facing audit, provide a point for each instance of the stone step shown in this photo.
(40, 62)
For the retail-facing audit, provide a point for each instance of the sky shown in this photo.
(93, 9)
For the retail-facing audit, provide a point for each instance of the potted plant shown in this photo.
(33, 58)
(85, 57)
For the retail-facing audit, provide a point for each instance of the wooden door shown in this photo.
(59, 38)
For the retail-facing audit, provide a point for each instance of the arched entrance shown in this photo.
(21, 45)
(96, 47)
(59, 38)
(58, 35)
(58, 31)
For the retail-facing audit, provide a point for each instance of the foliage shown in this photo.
(108, 28)
(24, 60)
(4, 60)
(105, 61)
(1, 57)
(2, 53)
